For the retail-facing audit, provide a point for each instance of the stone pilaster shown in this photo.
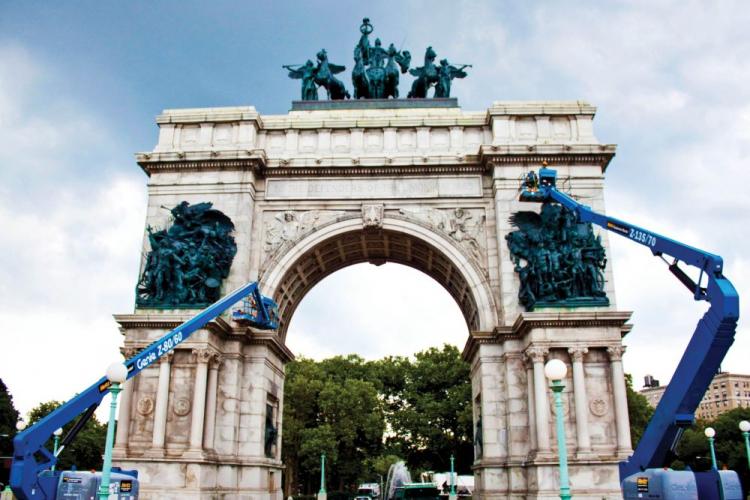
(202, 356)
(213, 387)
(126, 399)
(529, 365)
(583, 449)
(161, 406)
(541, 410)
(622, 420)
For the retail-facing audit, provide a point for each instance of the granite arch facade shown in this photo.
(313, 191)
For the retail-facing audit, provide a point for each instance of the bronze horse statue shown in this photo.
(324, 77)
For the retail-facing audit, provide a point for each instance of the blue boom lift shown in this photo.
(710, 342)
(30, 476)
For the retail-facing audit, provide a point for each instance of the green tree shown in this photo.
(8, 420)
(693, 449)
(86, 450)
(430, 412)
(639, 409)
(331, 406)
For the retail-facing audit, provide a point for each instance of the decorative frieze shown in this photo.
(289, 226)
(465, 226)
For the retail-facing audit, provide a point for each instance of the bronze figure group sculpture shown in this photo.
(189, 260)
(376, 72)
(564, 261)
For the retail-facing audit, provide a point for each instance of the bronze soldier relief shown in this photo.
(559, 262)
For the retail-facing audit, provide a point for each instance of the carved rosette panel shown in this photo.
(181, 407)
(598, 407)
(145, 405)
(466, 226)
(290, 226)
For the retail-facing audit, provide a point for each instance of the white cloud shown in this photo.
(375, 312)
(70, 247)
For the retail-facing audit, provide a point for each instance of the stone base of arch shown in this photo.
(514, 414)
(170, 479)
(193, 424)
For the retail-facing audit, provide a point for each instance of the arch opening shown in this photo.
(330, 254)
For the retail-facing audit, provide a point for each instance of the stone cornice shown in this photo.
(169, 322)
(201, 115)
(575, 319)
(272, 341)
(540, 108)
(526, 321)
(252, 160)
(475, 340)
(398, 167)
(554, 154)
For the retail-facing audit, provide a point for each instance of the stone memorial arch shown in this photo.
(421, 183)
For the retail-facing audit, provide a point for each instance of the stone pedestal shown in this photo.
(195, 424)
(518, 456)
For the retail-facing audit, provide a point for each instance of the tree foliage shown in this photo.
(639, 409)
(366, 416)
(8, 420)
(693, 449)
(86, 450)
(429, 409)
(331, 407)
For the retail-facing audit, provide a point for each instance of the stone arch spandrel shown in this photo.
(291, 275)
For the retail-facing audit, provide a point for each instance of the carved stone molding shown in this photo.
(536, 353)
(577, 353)
(616, 352)
(372, 216)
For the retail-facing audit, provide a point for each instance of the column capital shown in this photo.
(616, 352)
(577, 353)
(165, 358)
(203, 354)
(216, 361)
(536, 353)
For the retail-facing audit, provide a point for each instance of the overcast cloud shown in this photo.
(80, 85)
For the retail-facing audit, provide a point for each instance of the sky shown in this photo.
(81, 83)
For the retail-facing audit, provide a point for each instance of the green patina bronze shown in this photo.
(271, 433)
(564, 260)
(189, 260)
(376, 72)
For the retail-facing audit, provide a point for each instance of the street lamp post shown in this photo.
(745, 428)
(117, 374)
(322, 493)
(555, 371)
(453, 479)
(57, 434)
(710, 433)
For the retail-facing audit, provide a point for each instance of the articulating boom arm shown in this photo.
(709, 344)
(30, 456)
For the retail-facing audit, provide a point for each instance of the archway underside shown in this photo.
(376, 247)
